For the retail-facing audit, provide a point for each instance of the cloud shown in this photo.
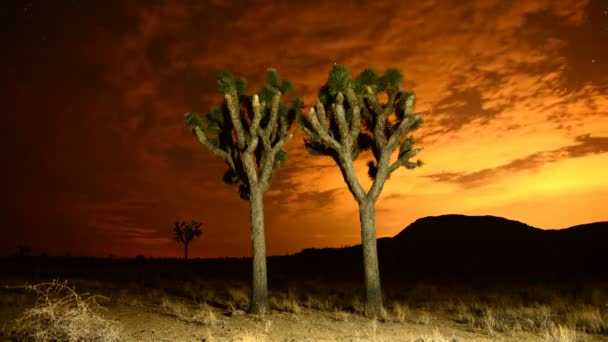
(585, 145)
(95, 129)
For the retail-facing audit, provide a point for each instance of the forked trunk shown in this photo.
(186, 250)
(373, 291)
(259, 294)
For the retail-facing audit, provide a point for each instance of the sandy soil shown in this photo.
(148, 325)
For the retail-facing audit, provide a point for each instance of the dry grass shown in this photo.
(200, 313)
(436, 336)
(588, 319)
(238, 298)
(372, 330)
(558, 333)
(560, 314)
(503, 319)
(286, 302)
(400, 312)
(262, 333)
(61, 314)
(340, 316)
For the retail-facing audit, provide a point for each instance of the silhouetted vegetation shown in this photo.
(185, 232)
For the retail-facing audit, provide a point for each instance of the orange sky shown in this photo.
(98, 162)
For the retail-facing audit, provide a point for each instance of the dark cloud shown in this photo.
(463, 106)
(584, 54)
(319, 200)
(564, 38)
(585, 145)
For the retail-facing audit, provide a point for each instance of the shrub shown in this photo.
(61, 314)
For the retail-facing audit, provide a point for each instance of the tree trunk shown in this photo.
(259, 295)
(186, 251)
(367, 215)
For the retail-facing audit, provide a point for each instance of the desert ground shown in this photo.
(80, 299)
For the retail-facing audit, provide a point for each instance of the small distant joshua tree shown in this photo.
(249, 133)
(186, 232)
(343, 129)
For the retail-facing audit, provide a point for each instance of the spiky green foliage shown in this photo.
(219, 134)
(390, 80)
(226, 83)
(367, 78)
(339, 80)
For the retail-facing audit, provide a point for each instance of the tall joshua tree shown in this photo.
(249, 133)
(343, 129)
(186, 232)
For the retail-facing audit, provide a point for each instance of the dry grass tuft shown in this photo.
(588, 319)
(287, 303)
(61, 314)
(400, 312)
(372, 330)
(436, 336)
(316, 303)
(239, 298)
(261, 334)
(202, 313)
(205, 314)
(340, 316)
(558, 333)
(175, 308)
(503, 320)
(422, 317)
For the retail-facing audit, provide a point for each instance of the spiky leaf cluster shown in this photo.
(220, 133)
(227, 82)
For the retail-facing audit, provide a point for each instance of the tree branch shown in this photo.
(350, 176)
(322, 131)
(341, 120)
(255, 124)
(381, 174)
(405, 124)
(355, 125)
(274, 114)
(321, 116)
(202, 138)
(403, 159)
(235, 117)
(392, 95)
(379, 118)
(268, 165)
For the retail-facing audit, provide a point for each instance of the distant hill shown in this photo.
(477, 246)
(462, 227)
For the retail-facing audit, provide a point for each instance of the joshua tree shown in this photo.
(186, 232)
(343, 129)
(249, 133)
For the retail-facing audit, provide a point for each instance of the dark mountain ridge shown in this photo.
(478, 246)
(481, 250)
(462, 227)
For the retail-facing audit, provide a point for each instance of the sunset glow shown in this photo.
(514, 98)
